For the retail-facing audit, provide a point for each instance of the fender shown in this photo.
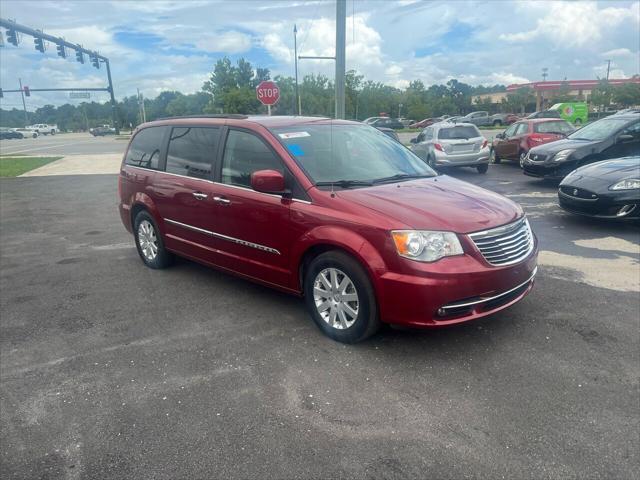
(141, 198)
(348, 240)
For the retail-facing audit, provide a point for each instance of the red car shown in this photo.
(516, 141)
(426, 122)
(331, 210)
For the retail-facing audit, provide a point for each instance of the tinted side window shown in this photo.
(192, 151)
(633, 130)
(244, 154)
(145, 148)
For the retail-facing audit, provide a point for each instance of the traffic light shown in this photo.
(12, 37)
(39, 43)
(27, 92)
(61, 51)
(80, 56)
(95, 61)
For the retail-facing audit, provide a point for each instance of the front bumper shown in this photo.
(465, 288)
(548, 169)
(615, 205)
(473, 159)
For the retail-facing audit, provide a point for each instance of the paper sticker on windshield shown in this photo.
(289, 135)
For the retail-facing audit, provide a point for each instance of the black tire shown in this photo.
(577, 122)
(494, 157)
(497, 123)
(163, 258)
(366, 322)
(521, 157)
(483, 168)
(431, 162)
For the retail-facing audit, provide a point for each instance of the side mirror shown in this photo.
(500, 135)
(268, 181)
(624, 138)
(414, 140)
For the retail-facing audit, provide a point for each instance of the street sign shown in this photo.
(268, 93)
(79, 95)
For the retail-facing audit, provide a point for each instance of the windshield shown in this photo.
(458, 133)
(349, 153)
(599, 130)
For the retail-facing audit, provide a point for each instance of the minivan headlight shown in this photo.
(426, 245)
(562, 155)
(627, 184)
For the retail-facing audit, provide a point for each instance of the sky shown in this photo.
(173, 45)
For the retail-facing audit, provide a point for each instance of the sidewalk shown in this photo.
(107, 163)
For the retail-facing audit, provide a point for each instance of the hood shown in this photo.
(626, 167)
(438, 203)
(564, 144)
(604, 173)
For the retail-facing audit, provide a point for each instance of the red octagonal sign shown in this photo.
(268, 92)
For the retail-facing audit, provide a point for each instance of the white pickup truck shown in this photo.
(44, 129)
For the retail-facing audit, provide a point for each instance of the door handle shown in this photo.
(222, 200)
(199, 195)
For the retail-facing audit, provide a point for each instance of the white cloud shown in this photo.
(620, 52)
(573, 24)
(227, 42)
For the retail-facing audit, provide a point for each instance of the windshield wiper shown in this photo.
(345, 183)
(401, 176)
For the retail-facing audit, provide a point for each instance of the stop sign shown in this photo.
(268, 92)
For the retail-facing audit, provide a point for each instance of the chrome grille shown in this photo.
(505, 245)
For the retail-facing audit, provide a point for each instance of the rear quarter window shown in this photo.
(145, 148)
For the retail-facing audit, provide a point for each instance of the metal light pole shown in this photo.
(608, 68)
(295, 47)
(341, 21)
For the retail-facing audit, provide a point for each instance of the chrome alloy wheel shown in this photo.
(336, 298)
(148, 240)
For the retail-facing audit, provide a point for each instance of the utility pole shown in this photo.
(545, 74)
(341, 26)
(24, 105)
(295, 47)
(608, 68)
(114, 111)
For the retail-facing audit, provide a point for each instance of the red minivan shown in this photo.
(331, 210)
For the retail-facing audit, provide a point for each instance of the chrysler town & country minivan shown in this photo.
(331, 210)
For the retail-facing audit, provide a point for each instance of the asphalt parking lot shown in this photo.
(112, 370)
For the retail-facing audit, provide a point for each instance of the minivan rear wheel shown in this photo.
(149, 242)
(340, 297)
(483, 168)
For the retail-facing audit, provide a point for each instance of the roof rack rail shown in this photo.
(236, 116)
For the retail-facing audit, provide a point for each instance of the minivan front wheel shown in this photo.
(149, 243)
(340, 297)
(483, 168)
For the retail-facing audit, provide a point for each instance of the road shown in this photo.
(112, 370)
(63, 144)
